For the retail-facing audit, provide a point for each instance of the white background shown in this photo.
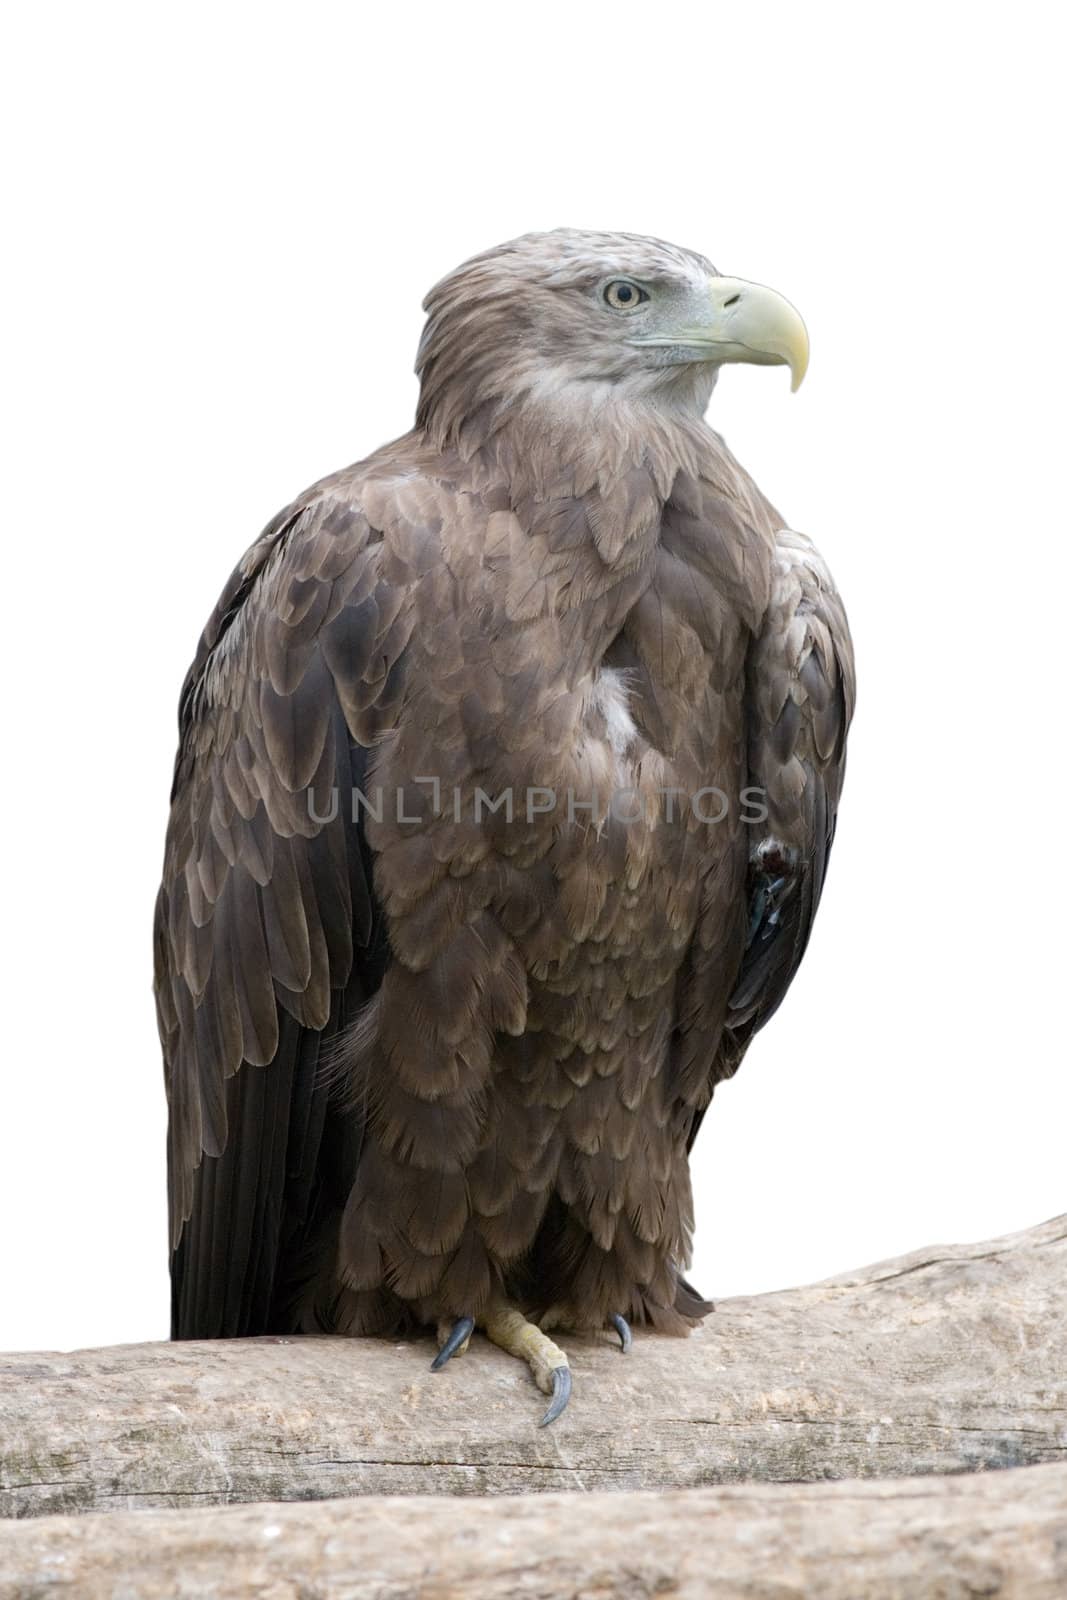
(222, 220)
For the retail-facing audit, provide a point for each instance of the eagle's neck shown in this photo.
(578, 439)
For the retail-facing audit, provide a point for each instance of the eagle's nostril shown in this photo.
(734, 298)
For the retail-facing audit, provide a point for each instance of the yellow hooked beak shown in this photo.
(747, 322)
(750, 322)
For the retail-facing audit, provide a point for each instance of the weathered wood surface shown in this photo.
(946, 1360)
(997, 1534)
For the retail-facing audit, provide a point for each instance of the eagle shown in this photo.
(508, 771)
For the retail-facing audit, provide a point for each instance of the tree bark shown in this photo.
(948, 1360)
(1001, 1534)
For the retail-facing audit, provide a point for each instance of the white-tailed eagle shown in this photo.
(508, 773)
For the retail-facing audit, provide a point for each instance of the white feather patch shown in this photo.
(611, 698)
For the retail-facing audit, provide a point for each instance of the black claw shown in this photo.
(622, 1328)
(561, 1393)
(462, 1330)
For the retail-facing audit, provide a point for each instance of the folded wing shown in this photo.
(267, 935)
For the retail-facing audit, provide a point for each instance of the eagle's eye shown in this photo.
(622, 295)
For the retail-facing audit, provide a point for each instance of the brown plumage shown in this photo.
(433, 1058)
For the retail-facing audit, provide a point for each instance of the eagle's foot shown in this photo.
(624, 1331)
(453, 1341)
(510, 1330)
(561, 1315)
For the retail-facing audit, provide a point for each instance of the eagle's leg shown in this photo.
(509, 1329)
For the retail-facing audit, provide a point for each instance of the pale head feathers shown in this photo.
(524, 330)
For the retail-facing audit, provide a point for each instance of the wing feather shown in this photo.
(800, 679)
(268, 936)
(802, 694)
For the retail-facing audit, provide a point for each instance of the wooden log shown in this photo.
(1000, 1534)
(947, 1360)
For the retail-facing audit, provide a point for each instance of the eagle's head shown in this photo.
(604, 316)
